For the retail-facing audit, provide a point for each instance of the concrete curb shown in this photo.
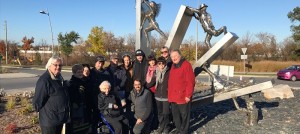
(19, 91)
(17, 75)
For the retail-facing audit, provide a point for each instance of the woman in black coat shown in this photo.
(161, 95)
(78, 102)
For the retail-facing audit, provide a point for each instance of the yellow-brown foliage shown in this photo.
(10, 104)
(24, 101)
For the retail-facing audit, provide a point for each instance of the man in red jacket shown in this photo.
(180, 90)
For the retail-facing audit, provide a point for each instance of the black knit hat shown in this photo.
(100, 58)
(139, 52)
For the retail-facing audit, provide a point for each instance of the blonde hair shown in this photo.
(51, 60)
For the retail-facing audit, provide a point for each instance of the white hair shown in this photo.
(104, 83)
(51, 60)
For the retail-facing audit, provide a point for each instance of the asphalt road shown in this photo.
(27, 83)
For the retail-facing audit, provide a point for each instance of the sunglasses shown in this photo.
(162, 52)
(160, 63)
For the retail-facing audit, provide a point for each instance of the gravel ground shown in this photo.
(274, 117)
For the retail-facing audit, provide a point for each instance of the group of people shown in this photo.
(138, 96)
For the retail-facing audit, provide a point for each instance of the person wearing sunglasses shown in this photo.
(161, 96)
(51, 99)
(165, 53)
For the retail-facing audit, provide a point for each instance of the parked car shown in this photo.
(290, 73)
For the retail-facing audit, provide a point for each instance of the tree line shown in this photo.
(260, 46)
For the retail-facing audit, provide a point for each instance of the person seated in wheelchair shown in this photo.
(110, 108)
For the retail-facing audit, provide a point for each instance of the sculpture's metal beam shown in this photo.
(228, 95)
(179, 28)
(215, 51)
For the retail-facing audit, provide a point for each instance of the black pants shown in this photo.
(52, 130)
(129, 115)
(95, 120)
(143, 127)
(119, 124)
(163, 111)
(181, 117)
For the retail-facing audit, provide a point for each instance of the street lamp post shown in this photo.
(47, 13)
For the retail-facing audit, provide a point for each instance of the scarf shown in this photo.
(150, 73)
(160, 75)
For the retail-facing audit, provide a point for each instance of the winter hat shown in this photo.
(139, 52)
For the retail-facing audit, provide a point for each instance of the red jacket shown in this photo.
(181, 82)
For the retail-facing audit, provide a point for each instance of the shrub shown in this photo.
(10, 104)
(34, 119)
(25, 110)
(24, 101)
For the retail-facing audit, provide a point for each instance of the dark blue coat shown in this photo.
(51, 100)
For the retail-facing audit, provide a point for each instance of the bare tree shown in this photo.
(289, 48)
(130, 42)
(265, 39)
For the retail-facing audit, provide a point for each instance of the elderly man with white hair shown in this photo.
(51, 98)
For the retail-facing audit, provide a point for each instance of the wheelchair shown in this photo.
(104, 127)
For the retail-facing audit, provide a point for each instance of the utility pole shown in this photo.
(197, 36)
(6, 43)
(196, 41)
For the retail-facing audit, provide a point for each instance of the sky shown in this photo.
(119, 16)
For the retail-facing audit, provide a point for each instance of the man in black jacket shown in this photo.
(140, 66)
(51, 98)
(117, 79)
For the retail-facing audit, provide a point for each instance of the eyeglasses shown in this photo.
(57, 65)
(162, 52)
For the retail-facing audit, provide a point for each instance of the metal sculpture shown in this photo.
(207, 24)
(150, 15)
